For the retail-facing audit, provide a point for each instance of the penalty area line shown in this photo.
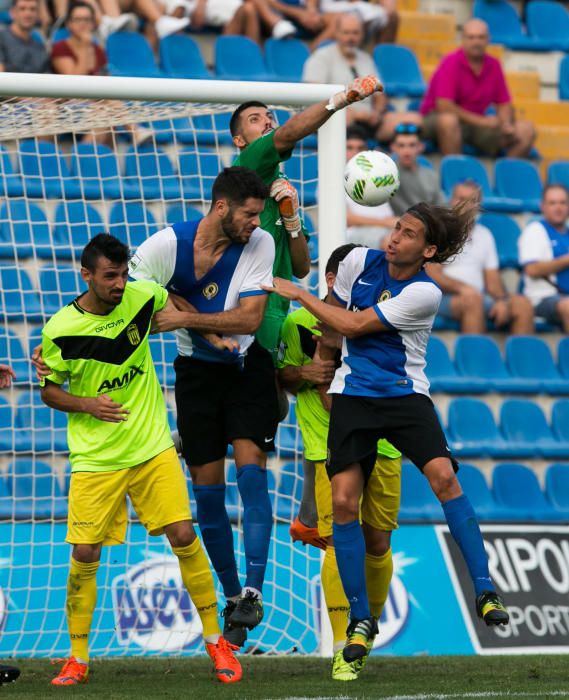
(447, 696)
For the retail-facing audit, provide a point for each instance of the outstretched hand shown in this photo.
(356, 91)
(283, 288)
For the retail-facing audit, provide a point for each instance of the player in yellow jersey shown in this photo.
(120, 444)
(306, 374)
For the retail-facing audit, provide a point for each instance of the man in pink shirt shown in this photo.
(465, 84)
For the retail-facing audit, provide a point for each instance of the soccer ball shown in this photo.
(371, 178)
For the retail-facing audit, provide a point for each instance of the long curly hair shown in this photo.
(447, 228)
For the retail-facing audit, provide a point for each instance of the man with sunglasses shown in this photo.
(418, 183)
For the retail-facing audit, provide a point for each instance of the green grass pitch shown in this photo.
(534, 676)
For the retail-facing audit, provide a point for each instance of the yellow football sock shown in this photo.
(81, 601)
(336, 601)
(198, 580)
(378, 576)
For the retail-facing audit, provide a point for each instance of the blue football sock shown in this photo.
(464, 528)
(217, 535)
(350, 555)
(257, 521)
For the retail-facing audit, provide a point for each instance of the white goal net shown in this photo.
(82, 156)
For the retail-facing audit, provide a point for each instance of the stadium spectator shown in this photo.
(471, 283)
(304, 373)
(20, 50)
(466, 83)
(108, 458)
(341, 63)
(366, 225)
(380, 18)
(418, 183)
(79, 54)
(310, 23)
(273, 23)
(228, 16)
(217, 265)
(263, 146)
(544, 256)
(381, 392)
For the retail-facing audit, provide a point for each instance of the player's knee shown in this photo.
(180, 534)
(443, 481)
(345, 508)
(87, 553)
(378, 542)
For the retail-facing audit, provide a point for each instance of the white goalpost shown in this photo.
(80, 155)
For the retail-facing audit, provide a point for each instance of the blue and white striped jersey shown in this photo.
(387, 363)
(167, 257)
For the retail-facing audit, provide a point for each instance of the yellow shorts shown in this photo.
(379, 506)
(97, 500)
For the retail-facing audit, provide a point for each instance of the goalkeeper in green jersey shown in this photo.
(308, 375)
(120, 444)
(263, 147)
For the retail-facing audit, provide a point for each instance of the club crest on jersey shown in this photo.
(132, 334)
(384, 296)
(210, 291)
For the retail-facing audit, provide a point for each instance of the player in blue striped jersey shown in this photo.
(381, 391)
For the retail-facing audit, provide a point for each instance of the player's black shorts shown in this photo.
(410, 424)
(218, 403)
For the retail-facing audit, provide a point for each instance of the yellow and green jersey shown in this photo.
(110, 355)
(297, 349)
(262, 157)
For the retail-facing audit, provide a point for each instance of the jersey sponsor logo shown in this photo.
(110, 324)
(132, 334)
(210, 291)
(108, 385)
(384, 296)
(152, 607)
(134, 262)
(367, 284)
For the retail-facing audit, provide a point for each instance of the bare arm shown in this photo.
(494, 285)
(547, 267)
(464, 115)
(505, 112)
(299, 255)
(360, 220)
(100, 407)
(243, 320)
(347, 323)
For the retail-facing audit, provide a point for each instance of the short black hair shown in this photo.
(103, 245)
(237, 184)
(356, 132)
(338, 255)
(15, 2)
(79, 5)
(447, 228)
(234, 122)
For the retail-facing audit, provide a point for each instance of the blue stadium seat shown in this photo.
(549, 22)
(45, 172)
(399, 71)
(7, 420)
(302, 171)
(525, 427)
(240, 58)
(479, 494)
(10, 183)
(456, 169)
(19, 300)
(557, 488)
(516, 487)
(530, 357)
(442, 373)
(130, 54)
(506, 233)
(75, 224)
(132, 222)
(12, 353)
(198, 171)
(505, 26)
(35, 490)
(480, 356)
(164, 352)
(289, 492)
(59, 286)
(563, 357)
(558, 172)
(207, 130)
(23, 230)
(183, 212)
(39, 428)
(473, 431)
(180, 57)
(564, 78)
(560, 420)
(418, 502)
(96, 168)
(517, 178)
(149, 169)
(285, 58)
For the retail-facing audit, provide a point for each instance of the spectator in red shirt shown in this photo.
(465, 84)
(79, 54)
